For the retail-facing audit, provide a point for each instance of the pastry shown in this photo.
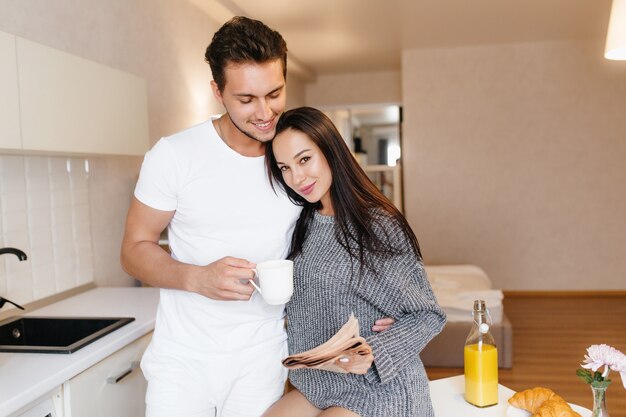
(531, 399)
(542, 402)
(555, 407)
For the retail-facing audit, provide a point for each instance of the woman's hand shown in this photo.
(383, 324)
(355, 364)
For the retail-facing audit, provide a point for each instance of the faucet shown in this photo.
(20, 255)
(4, 301)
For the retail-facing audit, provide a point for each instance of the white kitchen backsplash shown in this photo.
(44, 211)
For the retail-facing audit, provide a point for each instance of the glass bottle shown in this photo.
(481, 360)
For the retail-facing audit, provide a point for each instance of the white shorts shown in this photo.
(244, 384)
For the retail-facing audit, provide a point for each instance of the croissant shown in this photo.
(555, 407)
(531, 399)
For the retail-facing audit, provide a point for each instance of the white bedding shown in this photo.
(457, 286)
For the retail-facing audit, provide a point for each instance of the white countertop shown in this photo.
(26, 377)
(448, 397)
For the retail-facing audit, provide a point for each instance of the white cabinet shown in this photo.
(50, 405)
(53, 101)
(9, 100)
(113, 387)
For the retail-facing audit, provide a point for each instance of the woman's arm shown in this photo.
(400, 289)
(420, 319)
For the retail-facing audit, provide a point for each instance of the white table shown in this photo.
(448, 399)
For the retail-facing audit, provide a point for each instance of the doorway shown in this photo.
(374, 135)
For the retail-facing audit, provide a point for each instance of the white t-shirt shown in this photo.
(224, 206)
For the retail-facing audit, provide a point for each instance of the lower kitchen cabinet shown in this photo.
(114, 386)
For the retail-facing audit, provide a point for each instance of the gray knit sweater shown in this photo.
(327, 290)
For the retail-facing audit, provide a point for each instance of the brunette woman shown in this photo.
(354, 252)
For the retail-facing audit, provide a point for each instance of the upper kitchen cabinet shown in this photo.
(9, 100)
(69, 104)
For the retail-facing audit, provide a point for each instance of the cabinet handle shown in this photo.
(115, 379)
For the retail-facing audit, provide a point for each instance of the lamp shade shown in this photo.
(616, 34)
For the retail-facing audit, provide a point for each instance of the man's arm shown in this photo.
(143, 258)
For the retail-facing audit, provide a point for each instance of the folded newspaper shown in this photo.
(345, 343)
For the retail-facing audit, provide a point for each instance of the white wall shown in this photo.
(515, 160)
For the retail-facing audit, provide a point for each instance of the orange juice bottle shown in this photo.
(481, 361)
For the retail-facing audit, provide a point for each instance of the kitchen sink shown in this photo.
(55, 334)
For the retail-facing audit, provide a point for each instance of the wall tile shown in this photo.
(44, 284)
(19, 280)
(111, 184)
(45, 211)
(65, 275)
(41, 248)
(62, 212)
(18, 276)
(14, 215)
(12, 170)
(39, 219)
(3, 274)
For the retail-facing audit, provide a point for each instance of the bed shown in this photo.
(456, 287)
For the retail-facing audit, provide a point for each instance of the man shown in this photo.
(217, 346)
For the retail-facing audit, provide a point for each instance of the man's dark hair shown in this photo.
(242, 40)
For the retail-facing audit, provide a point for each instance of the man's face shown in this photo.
(254, 97)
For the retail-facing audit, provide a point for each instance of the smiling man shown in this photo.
(217, 346)
(254, 99)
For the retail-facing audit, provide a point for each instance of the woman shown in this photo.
(354, 253)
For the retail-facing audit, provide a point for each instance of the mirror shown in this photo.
(373, 133)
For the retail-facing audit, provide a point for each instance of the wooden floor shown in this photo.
(550, 338)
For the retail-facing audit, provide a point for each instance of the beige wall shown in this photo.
(515, 160)
(296, 91)
(380, 87)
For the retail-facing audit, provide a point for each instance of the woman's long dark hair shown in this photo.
(357, 202)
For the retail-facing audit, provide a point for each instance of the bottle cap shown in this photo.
(479, 305)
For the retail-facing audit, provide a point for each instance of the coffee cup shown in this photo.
(275, 281)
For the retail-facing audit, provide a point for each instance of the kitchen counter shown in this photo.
(26, 377)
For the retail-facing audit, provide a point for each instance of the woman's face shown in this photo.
(304, 167)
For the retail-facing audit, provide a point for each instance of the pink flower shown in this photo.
(620, 366)
(607, 356)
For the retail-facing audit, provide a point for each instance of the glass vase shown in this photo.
(599, 402)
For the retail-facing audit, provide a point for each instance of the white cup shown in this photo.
(275, 281)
